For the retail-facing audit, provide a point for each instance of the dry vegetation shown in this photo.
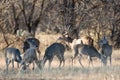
(93, 17)
(75, 72)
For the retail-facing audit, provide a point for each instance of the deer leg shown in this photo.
(90, 61)
(7, 67)
(110, 60)
(17, 65)
(72, 59)
(63, 61)
(50, 61)
(33, 65)
(12, 64)
(7, 64)
(60, 63)
(39, 52)
(61, 58)
(80, 57)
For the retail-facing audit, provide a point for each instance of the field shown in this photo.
(68, 72)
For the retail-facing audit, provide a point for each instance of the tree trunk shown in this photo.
(69, 18)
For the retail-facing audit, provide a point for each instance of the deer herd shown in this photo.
(80, 47)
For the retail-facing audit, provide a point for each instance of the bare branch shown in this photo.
(4, 37)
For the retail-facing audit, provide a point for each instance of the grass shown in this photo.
(75, 72)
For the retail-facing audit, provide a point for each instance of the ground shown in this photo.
(75, 72)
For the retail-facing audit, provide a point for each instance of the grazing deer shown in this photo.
(106, 49)
(90, 51)
(11, 55)
(29, 57)
(31, 42)
(55, 49)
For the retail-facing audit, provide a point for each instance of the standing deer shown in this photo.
(31, 41)
(29, 56)
(106, 49)
(11, 55)
(90, 51)
(55, 49)
(71, 43)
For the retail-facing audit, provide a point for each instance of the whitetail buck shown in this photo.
(90, 51)
(71, 43)
(55, 49)
(11, 55)
(106, 49)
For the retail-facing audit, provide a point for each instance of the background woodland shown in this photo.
(95, 18)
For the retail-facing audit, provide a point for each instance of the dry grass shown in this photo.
(69, 72)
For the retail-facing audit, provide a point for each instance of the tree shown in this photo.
(96, 18)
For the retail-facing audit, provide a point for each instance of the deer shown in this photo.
(33, 41)
(12, 55)
(55, 49)
(90, 51)
(29, 56)
(71, 43)
(106, 49)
